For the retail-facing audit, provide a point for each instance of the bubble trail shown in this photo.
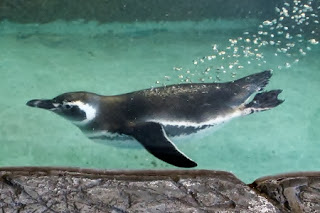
(289, 35)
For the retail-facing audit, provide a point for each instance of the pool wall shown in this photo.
(43, 11)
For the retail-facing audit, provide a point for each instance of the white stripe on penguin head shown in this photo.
(90, 111)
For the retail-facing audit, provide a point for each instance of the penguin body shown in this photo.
(153, 116)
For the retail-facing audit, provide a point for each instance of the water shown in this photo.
(44, 60)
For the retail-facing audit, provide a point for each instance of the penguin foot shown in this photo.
(265, 100)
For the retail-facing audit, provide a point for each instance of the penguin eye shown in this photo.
(67, 106)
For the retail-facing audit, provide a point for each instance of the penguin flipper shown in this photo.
(154, 139)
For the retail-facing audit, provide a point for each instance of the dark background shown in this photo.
(42, 11)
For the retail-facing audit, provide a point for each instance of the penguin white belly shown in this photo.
(177, 130)
(124, 141)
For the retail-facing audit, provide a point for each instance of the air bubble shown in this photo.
(177, 68)
(288, 36)
(302, 52)
(291, 45)
(233, 41)
(285, 12)
(215, 47)
(267, 23)
(313, 41)
(210, 57)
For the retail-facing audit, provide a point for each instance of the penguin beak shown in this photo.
(43, 104)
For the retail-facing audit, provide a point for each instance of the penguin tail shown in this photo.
(256, 82)
(264, 101)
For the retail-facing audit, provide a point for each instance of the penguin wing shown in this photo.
(154, 139)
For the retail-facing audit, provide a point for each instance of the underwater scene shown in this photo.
(44, 60)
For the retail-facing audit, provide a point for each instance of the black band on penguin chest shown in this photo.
(175, 130)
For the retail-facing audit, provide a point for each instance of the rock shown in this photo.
(83, 190)
(296, 192)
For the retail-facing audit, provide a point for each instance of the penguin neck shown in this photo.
(108, 115)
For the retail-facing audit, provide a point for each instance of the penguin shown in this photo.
(153, 116)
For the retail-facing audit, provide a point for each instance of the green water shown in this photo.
(42, 61)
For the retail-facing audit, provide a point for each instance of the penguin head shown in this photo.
(78, 107)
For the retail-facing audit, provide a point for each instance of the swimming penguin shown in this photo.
(153, 116)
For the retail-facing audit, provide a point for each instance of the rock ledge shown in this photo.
(46, 189)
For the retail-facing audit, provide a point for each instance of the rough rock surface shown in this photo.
(296, 192)
(78, 190)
